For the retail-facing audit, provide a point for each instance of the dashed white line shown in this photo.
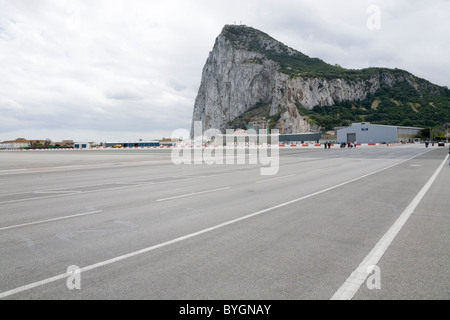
(56, 192)
(192, 194)
(49, 220)
(269, 180)
(65, 193)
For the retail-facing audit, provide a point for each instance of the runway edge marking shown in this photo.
(192, 235)
(358, 277)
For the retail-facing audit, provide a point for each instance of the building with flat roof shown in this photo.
(83, 145)
(301, 138)
(373, 133)
(132, 144)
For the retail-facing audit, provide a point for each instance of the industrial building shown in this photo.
(301, 138)
(372, 133)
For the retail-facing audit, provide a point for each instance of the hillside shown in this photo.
(249, 75)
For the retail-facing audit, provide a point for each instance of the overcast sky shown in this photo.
(104, 70)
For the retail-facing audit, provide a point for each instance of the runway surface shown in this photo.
(140, 227)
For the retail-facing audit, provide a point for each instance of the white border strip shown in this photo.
(352, 285)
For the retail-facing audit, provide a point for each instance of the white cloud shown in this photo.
(132, 68)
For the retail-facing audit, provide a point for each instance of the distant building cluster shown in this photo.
(363, 133)
(22, 143)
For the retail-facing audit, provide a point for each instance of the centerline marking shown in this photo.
(50, 220)
(268, 180)
(192, 194)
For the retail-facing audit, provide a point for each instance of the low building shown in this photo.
(132, 144)
(83, 145)
(372, 133)
(301, 138)
(20, 143)
(170, 142)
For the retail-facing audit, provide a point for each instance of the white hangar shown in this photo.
(373, 133)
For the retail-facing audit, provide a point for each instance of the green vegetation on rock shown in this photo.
(408, 101)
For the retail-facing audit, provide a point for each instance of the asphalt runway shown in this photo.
(140, 227)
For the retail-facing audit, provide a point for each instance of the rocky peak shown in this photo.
(249, 76)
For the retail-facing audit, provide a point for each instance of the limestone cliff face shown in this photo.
(247, 68)
(233, 81)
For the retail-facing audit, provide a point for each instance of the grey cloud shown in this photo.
(115, 68)
(123, 95)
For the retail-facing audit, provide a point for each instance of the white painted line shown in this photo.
(49, 220)
(56, 192)
(192, 194)
(12, 170)
(187, 237)
(58, 169)
(127, 185)
(352, 285)
(37, 198)
(268, 180)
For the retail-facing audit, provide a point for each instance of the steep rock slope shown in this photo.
(249, 70)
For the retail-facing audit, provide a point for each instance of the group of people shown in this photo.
(327, 145)
(348, 145)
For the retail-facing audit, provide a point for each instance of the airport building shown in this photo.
(372, 133)
(83, 145)
(132, 144)
(301, 138)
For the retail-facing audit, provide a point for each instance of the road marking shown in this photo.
(189, 236)
(57, 192)
(12, 170)
(352, 285)
(80, 166)
(192, 194)
(268, 180)
(126, 186)
(49, 220)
